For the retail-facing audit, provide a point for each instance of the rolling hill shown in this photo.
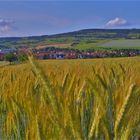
(82, 39)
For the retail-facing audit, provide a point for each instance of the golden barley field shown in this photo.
(96, 99)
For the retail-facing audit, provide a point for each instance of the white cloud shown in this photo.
(5, 25)
(117, 22)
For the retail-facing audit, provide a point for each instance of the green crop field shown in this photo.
(126, 44)
(85, 45)
(71, 100)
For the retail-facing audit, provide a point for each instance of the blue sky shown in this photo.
(25, 18)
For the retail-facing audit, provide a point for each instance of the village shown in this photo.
(59, 53)
(76, 54)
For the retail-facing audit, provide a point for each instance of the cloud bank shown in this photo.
(5, 25)
(117, 22)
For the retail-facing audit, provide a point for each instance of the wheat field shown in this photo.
(95, 99)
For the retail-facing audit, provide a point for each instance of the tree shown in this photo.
(10, 57)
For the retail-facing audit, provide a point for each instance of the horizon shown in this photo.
(34, 18)
(71, 32)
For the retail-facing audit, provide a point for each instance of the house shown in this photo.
(7, 51)
(41, 55)
(86, 55)
(1, 56)
(71, 56)
(47, 55)
(59, 55)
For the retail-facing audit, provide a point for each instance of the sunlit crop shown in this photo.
(71, 100)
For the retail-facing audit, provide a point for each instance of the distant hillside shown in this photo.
(101, 33)
(82, 39)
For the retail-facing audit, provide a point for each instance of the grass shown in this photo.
(85, 45)
(71, 100)
(3, 63)
(122, 44)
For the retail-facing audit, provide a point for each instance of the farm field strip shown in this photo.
(126, 43)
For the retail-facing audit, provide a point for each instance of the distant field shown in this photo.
(87, 46)
(103, 44)
(54, 45)
(122, 44)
